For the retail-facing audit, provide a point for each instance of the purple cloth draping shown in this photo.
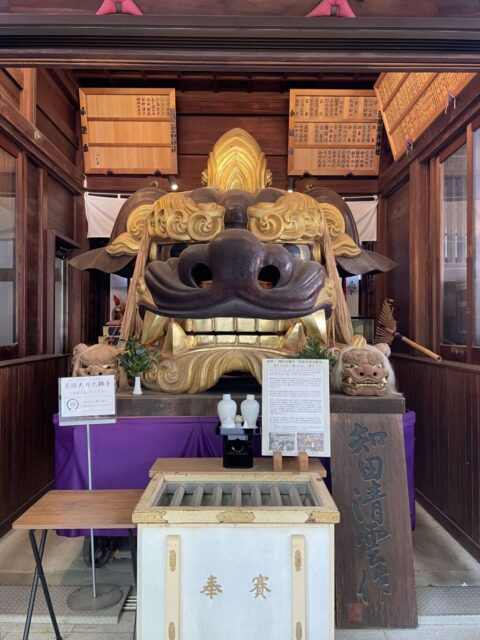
(409, 439)
(123, 453)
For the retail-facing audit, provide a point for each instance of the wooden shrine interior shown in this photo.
(40, 126)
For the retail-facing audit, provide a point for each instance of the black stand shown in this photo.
(237, 446)
(39, 574)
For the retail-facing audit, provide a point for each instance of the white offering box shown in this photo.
(236, 556)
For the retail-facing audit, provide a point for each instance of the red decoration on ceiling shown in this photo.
(339, 8)
(126, 6)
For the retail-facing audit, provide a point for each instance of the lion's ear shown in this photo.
(78, 349)
(384, 348)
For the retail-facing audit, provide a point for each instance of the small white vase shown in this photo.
(227, 410)
(137, 389)
(250, 410)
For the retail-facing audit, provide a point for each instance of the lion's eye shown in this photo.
(177, 248)
(302, 251)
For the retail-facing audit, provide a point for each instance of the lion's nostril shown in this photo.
(202, 275)
(269, 276)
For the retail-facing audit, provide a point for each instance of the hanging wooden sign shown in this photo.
(131, 131)
(333, 133)
(410, 102)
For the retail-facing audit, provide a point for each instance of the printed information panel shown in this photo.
(296, 407)
(87, 400)
(334, 132)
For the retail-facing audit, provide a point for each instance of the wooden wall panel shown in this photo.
(57, 113)
(398, 249)
(198, 134)
(28, 400)
(446, 399)
(426, 8)
(34, 265)
(10, 87)
(60, 208)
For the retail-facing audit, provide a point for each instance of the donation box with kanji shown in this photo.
(236, 555)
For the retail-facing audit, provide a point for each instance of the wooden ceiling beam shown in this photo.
(241, 43)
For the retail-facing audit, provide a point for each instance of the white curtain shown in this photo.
(101, 212)
(365, 214)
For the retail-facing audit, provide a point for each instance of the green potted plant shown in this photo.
(136, 359)
(315, 350)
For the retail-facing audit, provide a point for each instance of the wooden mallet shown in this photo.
(387, 331)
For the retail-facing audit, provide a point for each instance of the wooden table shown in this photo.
(75, 510)
(214, 465)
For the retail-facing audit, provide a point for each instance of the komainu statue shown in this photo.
(233, 272)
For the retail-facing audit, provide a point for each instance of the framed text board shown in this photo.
(129, 131)
(295, 407)
(86, 399)
(410, 102)
(334, 132)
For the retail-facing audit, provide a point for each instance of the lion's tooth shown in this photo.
(316, 325)
(294, 340)
(153, 327)
(246, 325)
(205, 325)
(176, 340)
(266, 326)
(224, 324)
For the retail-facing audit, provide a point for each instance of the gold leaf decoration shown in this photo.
(172, 560)
(176, 217)
(237, 162)
(298, 560)
(298, 631)
(294, 217)
(200, 369)
(342, 244)
(297, 217)
(128, 243)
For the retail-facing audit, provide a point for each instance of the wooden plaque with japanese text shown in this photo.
(410, 102)
(333, 132)
(374, 574)
(129, 131)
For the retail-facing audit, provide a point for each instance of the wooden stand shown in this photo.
(302, 462)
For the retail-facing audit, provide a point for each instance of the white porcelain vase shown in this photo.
(227, 410)
(250, 410)
(137, 389)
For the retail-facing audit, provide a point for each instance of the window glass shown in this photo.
(7, 248)
(61, 304)
(454, 221)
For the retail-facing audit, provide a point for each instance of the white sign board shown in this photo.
(235, 583)
(296, 407)
(89, 399)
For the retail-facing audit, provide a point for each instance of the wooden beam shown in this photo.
(245, 43)
(28, 97)
(39, 147)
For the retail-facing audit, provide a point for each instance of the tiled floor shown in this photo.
(439, 561)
